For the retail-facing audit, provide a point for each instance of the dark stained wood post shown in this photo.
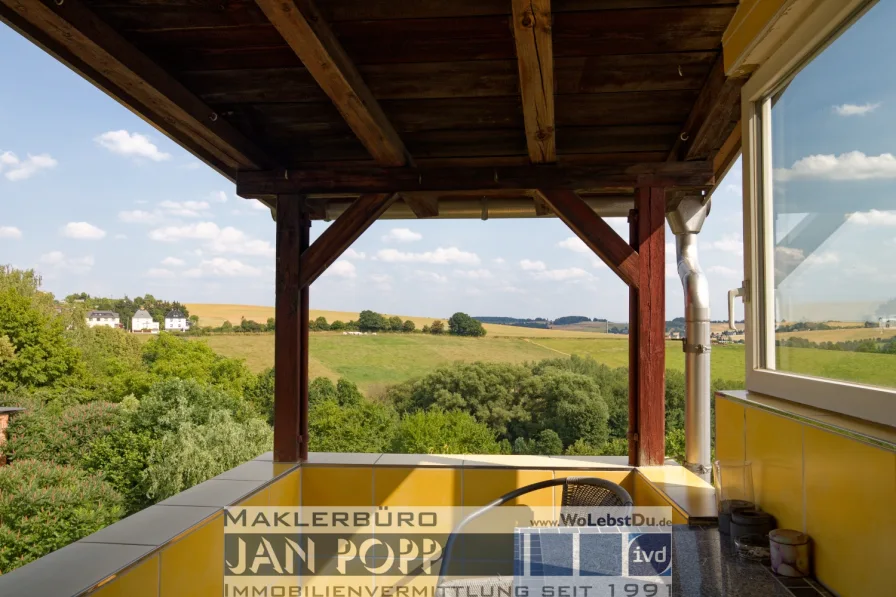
(650, 370)
(633, 350)
(291, 333)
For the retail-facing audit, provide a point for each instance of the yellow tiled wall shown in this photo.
(837, 489)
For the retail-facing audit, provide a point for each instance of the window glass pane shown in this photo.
(833, 207)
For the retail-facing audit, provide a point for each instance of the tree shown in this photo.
(443, 432)
(395, 323)
(548, 443)
(569, 403)
(337, 325)
(43, 356)
(462, 324)
(168, 356)
(408, 326)
(370, 321)
(194, 320)
(321, 324)
(363, 427)
(270, 326)
(437, 327)
(426, 329)
(227, 327)
(46, 506)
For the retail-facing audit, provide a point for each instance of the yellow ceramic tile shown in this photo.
(646, 495)
(194, 564)
(482, 485)
(337, 486)
(850, 514)
(673, 474)
(285, 491)
(141, 580)
(619, 477)
(417, 487)
(729, 430)
(262, 497)
(774, 446)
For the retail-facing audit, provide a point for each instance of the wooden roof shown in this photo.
(353, 96)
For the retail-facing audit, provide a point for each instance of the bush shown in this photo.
(443, 432)
(121, 457)
(194, 453)
(61, 437)
(408, 326)
(570, 404)
(361, 427)
(171, 403)
(462, 324)
(582, 448)
(45, 506)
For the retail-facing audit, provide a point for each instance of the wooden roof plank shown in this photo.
(70, 25)
(713, 117)
(544, 176)
(422, 204)
(309, 36)
(532, 34)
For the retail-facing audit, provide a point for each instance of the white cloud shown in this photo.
(10, 232)
(474, 274)
(402, 235)
(131, 144)
(222, 268)
(173, 261)
(82, 231)
(853, 165)
(440, 256)
(598, 263)
(259, 206)
(159, 272)
(499, 260)
(574, 244)
(730, 243)
(873, 218)
(342, 269)
(121, 236)
(532, 266)
(429, 276)
(352, 254)
(17, 169)
(825, 258)
(185, 209)
(218, 197)
(511, 289)
(559, 275)
(216, 239)
(381, 278)
(855, 109)
(721, 270)
(138, 216)
(76, 265)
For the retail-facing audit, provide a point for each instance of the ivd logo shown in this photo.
(650, 554)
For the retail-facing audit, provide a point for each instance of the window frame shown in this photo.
(821, 26)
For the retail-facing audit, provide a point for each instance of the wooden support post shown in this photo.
(648, 332)
(633, 350)
(291, 334)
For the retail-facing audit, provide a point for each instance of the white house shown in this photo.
(107, 318)
(175, 321)
(142, 322)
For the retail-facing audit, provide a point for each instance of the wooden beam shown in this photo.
(728, 153)
(290, 366)
(633, 323)
(535, 58)
(651, 326)
(74, 33)
(712, 118)
(423, 205)
(546, 176)
(307, 33)
(363, 212)
(595, 233)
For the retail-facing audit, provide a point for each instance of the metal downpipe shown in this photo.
(686, 222)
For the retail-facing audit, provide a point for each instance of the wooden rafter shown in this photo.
(73, 33)
(712, 118)
(363, 212)
(595, 233)
(728, 153)
(307, 33)
(423, 205)
(535, 57)
(546, 176)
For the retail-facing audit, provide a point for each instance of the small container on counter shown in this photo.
(789, 552)
(726, 507)
(752, 547)
(750, 522)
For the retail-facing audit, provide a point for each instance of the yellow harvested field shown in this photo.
(214, 315)
(857, 333)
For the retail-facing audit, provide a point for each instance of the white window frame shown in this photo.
(821, 25)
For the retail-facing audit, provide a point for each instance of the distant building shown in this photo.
(175, 320)
(142, 322)
(107, 318)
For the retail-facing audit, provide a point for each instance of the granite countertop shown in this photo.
(703, 565)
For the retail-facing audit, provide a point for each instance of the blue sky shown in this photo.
(97, 200)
